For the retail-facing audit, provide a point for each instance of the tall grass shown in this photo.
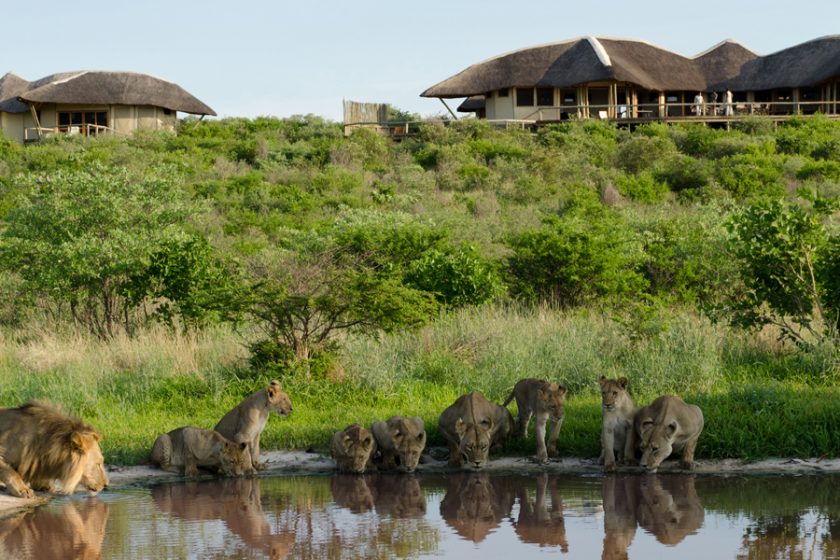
(759, 398)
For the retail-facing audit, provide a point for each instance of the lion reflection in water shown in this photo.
(539, 523)
(665, 506)
(75, 530)
(398, 496)
(235, 502)
(475, 504)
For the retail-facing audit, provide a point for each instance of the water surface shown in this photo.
(443, 516)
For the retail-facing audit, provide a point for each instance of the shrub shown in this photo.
(640, 153)
(682, 173)
(750, 175)
(642, 187)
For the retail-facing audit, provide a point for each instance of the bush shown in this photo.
(751, 175)
(640, 153)
(456, 279)
(573, 260)
(642, 187)
(683, 173)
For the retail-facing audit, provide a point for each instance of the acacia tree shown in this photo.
(81, 239)
(303, 300)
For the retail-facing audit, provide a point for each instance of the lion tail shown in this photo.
(507, 400)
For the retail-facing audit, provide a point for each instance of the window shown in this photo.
(569, 97)
(504, 92)
(524, 97)
(82, 122)
(545, 96)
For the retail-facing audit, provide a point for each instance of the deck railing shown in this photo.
(665, 111)
(34, 133)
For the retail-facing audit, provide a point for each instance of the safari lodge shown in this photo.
(91, 103)
(633, 81)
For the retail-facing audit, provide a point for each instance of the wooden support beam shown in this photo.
(448, 109)
(36, 119)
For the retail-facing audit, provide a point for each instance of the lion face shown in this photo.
(94, 477)
(553, 400)
(656, 443)
(613, 392)
(358, 449)
(475, 441)
(278, 401)
(234, 459)
(409, 440)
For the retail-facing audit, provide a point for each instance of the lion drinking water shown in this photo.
(186, 449)
(471, 426)
(41, 447)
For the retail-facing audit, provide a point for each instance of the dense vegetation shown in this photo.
(152, 281)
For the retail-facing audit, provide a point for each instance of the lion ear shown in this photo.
(460, 427)
(672, 427)
(273, 388)
(561, 389)
(602, 380)
(77, 443)
(622, 381)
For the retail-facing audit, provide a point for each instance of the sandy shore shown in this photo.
(302, 463)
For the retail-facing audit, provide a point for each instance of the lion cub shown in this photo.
(245, 422)
(617, 435)
(546, 401)
(352, 449)
(401, 442)
(188, 448)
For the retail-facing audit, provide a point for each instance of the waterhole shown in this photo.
(442, 516)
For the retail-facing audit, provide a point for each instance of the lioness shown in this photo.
(666, 425)
(401, 442)
(352, 449)
(471, 425)
(246, 421)
(617, 441)
(185, 449)
(41, 446)
(546, 401)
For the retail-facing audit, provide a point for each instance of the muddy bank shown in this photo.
(302, 462)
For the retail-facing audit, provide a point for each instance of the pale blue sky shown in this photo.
(256, 57)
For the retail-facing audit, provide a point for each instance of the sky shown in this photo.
(248, 58)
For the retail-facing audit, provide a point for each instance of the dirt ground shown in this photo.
(302, 462)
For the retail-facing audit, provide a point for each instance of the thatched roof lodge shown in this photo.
(91, 102)
(628, 79)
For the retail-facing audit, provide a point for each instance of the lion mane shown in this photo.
(43, 446)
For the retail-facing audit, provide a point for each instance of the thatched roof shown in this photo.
(588, 59)
(472, 104)
(12, 85)
(101, 88)
(807, 64)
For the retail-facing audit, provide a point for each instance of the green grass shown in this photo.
(759, 399)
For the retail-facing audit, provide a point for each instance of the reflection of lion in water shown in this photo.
(41, 446)
(74, 530)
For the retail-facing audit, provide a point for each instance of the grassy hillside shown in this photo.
(153, 281)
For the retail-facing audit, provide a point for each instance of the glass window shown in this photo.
(545, 96)
(524, 97)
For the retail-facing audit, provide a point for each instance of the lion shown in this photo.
(353, 448)
(666, 425)
(475, 504)
(40, 446)
(471, 425)
(246, 421)
(186, 449)
(546, 401)
(401, 442)
(617, 436)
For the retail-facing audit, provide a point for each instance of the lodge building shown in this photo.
(621, 79)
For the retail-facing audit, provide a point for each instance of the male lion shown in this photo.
(352, 449)
(41, 446)
(471, 425)
(246, 421)
(617, 441)
(401, 442)
(546, 401)
(666, 425)
(188, 448)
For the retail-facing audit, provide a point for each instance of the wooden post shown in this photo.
(448, 109)
(36, 119)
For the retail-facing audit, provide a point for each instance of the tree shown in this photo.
(786, 256)
(303, 300)
(80, 238)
